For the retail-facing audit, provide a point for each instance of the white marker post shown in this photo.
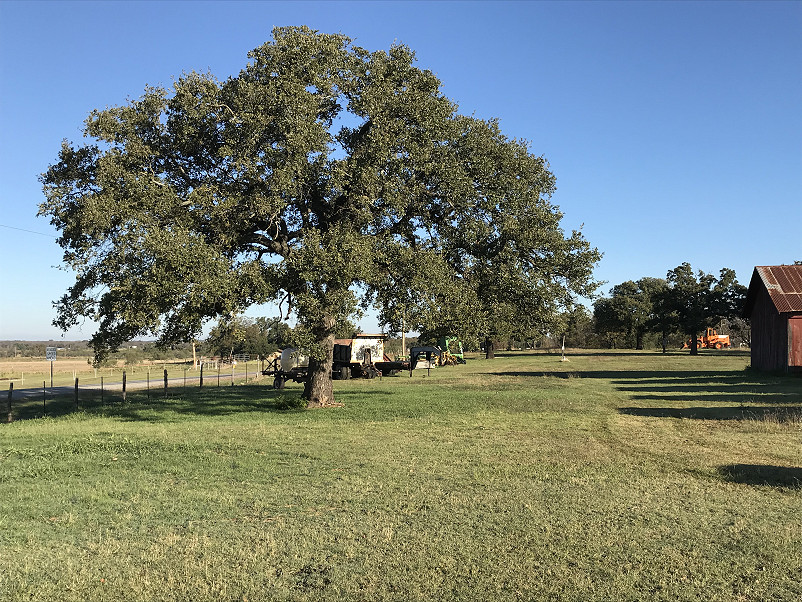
(50, 353)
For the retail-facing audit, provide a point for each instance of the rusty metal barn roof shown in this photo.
(784, 285)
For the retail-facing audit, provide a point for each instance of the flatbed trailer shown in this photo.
(280, 377)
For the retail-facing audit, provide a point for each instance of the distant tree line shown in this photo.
(666, 310)
(645, 313)
(131, 352)
(235, 335)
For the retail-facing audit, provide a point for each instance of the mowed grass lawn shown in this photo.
(613, 476)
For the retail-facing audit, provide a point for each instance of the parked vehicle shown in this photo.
(360, 357)
(710, 340)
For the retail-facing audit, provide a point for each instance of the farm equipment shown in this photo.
(290, 365)
(710, 340)
(363, 356)
(431, 357)
(425, 357)
(452, 347)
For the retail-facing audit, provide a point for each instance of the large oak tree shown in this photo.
(321, 176)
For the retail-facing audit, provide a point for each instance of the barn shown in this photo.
(774, 307)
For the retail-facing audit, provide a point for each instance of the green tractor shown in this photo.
(452, 347)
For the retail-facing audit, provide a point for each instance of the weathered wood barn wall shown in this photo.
(774, 307)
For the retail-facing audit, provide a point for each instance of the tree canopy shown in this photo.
(701, 300)
(685, 302)
(633, 309)
(235, 335)
(322, 177)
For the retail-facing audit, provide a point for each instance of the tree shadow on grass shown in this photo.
(219, 402)
(557, 352)
(683, 386)
(633, 376)
(724, 397)
(227, 401)
(673, 352)
(763, 474)
(139, 406)
(728, 385)
(214, 401)
(780, 414)
(209, 401)
(224, 401)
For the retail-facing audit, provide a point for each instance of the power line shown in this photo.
(28, 231)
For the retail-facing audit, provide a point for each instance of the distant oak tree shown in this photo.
(323, 177)
(701, 300)
(684, 302)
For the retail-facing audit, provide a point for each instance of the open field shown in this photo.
(27, 372)
(614, 476)
(31, 373)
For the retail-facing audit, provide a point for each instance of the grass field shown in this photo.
(614, 476)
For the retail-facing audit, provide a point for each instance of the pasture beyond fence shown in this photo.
(47, 400)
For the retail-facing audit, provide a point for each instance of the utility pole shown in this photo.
(403, 337)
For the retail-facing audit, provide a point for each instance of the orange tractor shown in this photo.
(710, 340)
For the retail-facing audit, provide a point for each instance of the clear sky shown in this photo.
(674, 128)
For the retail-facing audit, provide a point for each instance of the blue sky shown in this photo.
(674, 129)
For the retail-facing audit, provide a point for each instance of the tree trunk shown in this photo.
(638, 339)
(694, 345)
(490, 349)
(665, 342)
(319, 389)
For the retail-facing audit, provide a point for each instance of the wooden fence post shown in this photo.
(76, 393)
(101, 390)
(124, 386)
(10, 395)
(165, 383)
(148, 384)
(201, 373)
